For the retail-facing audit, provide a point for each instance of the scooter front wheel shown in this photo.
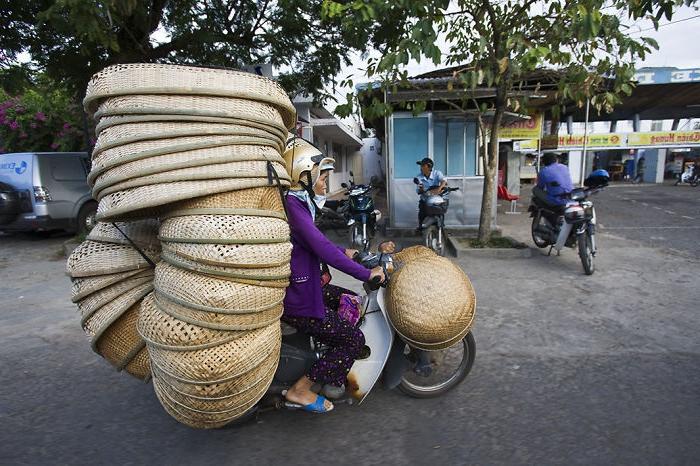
(431, 239)
(433, 373)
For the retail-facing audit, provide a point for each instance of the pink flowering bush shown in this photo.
(40, 120)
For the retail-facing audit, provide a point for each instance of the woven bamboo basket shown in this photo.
(159, 79)
(233, 386)
(96, 300)
(251, 169)
(235, 321)
(83, 287)
(212, 294)
(184, 159)
(143, 233)
(220, 363)
(224, 229)
(149, 201)
(413, 252)
(98, 321)
(122, 346)
(189, 106)
(272, 276)
(129, 133)
(161, 330)
(94, 258)
(136, 151)
(431, 302)
(251, 256)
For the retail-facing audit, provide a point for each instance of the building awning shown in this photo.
(335, 130)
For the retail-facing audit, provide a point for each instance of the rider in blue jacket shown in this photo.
(554, 178)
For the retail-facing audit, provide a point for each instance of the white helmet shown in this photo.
(300, 157)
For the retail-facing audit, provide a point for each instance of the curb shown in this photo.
(490, 253)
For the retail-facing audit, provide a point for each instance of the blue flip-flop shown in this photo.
(317, 406)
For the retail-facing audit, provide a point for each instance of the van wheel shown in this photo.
(86, 218)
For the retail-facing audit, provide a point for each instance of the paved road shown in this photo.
(569, 370)
(657, 215)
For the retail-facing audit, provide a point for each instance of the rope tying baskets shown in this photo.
(431, 302)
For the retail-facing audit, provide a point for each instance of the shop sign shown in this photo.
(523, 129)
(663, 138)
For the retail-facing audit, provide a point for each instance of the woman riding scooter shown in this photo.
(304, 306)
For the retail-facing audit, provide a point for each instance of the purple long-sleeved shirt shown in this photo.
(309, 248)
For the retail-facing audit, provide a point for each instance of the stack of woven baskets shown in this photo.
(425, 318)
(110, 280)
(200, 150)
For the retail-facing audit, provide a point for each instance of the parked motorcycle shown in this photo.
(689, 176)
(570, 225)
(362, 216)
(416, 373)
(334, 215)
(433, 226)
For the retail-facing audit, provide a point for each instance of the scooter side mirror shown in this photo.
(344, 185)
(415, 181)
(351, 173)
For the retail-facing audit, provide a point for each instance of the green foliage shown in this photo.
(72, 39)
(43, 117)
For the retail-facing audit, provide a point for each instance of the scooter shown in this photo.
(433, 226)
(689, 176)
(362, 216)
(416, 373)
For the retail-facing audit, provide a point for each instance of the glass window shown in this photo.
(470, 169)
(69, 168)
(410, 145)
(455, 147)
(440, 144)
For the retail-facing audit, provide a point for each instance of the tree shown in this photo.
(497, 45)
(70, 40)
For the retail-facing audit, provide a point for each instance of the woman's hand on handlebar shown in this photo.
(377, 272)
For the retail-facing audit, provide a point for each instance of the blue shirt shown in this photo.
(558, 174)
(428, 182)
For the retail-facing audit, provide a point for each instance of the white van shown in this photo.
(44, 191)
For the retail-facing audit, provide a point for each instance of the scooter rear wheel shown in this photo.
(448, 368)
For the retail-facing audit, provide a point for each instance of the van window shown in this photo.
(68, 169)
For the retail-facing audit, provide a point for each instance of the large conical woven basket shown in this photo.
(94, 258)
(431, 303)
(157, 79)
(178, 160)
(109, 294)
(143, 233)
(83, 287)
(224, 229)
(212, 294)
(233, 255)
(189, 106)
(413, 252)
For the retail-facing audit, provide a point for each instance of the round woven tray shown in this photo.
(130, 133)
(431, 302)
(268, 274)
(120, 344)
(83, 287)
(98, 322)
(413, 252)
(149, 201)
(219, 321)
(159, 147)
(224, 229)
(92, 258)
(164, 331)
(189, 106)
(220, 363)
(144, 233)
(92, 303)
(252, 169)
(233, 255)
(217, 390)
(256, 202)
(436, 346)
(150, 78)
(179, 160)
(211, 294)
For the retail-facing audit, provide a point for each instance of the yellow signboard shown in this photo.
(576, 140)
(523, 129)
(663, 138)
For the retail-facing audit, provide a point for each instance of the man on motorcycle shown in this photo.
(430, 182)
(554, 178)
(304, 306)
